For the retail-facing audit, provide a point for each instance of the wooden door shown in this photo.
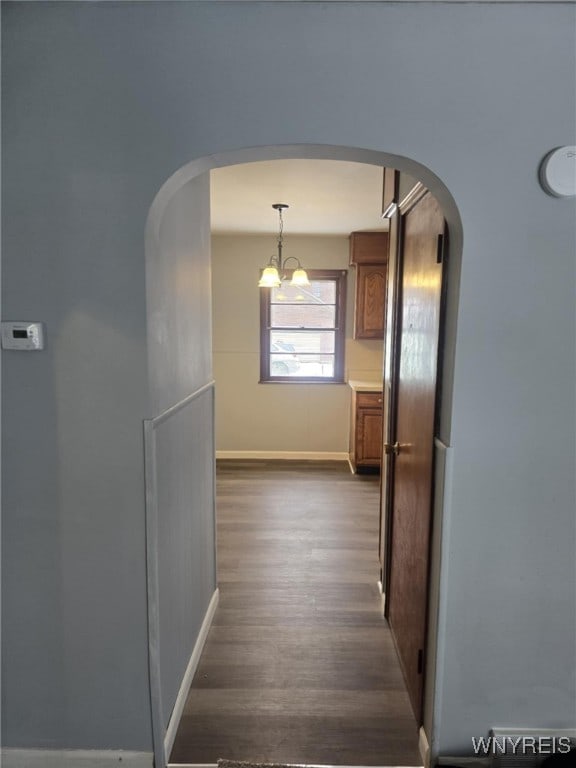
(418, 346)
(389, 388)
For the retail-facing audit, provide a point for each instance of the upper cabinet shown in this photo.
(370, 301)
(369, 254)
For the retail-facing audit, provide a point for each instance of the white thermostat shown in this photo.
(25, 336)
(558, 172)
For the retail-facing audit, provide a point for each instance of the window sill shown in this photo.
(292, 380)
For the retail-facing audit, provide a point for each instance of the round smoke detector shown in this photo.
(558, 172)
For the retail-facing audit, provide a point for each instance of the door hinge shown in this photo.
(440, 249)
(420, 661)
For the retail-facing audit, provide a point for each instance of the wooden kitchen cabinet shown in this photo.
(369, 248)
(366, 431)
(369, 253)
(370, 311)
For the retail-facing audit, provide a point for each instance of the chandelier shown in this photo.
(275, 271)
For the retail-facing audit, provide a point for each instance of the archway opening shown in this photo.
(165, 218)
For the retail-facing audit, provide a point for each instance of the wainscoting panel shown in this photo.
(179, 447)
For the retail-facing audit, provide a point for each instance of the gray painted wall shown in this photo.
(74, 647)
(102, 103)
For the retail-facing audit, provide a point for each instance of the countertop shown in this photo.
(365, 386)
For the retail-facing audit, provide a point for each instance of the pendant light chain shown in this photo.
(281, 224)
(280, 238)
(271, 277)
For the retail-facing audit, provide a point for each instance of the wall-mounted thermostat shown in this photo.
(558, 172)
(25, 336)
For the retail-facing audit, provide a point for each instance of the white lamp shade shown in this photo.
(270, 278)
(299, 277)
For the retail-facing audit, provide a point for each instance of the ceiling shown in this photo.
(325, 197)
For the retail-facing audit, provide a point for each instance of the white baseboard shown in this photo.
(424, 747)
(192, 765)
(75, 758)
(285, 455)
(189, 675)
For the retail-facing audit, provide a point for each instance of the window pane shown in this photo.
(302, 342)
(317, 365)
(307, 366)
(303, 315)
(318, 292)
(284, 365)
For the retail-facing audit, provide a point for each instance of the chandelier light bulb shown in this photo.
(270, 278)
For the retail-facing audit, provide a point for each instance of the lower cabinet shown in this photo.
(366, 431)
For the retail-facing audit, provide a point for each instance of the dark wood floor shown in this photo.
(299, 665)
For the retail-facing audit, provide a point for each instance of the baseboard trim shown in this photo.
(285, 455)
(189, 675)
(424, 747)
(192, 765)
(74, 758)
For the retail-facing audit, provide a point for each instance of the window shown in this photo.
(302, 329)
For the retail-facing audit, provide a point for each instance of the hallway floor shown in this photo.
(299, 665)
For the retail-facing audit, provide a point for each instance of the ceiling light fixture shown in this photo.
(275, 271)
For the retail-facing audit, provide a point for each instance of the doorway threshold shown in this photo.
(283, 765)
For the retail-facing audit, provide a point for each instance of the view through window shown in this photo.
(303, 329)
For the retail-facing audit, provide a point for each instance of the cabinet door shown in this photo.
(369, 436)
(370, 301)
(368, 247)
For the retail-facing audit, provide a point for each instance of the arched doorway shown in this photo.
(166, 216)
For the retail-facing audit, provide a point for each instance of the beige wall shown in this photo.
(276, 417)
